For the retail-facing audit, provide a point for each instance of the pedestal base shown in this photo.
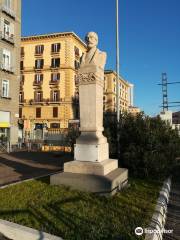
(107, 184)
(91, 152)
(94, 168)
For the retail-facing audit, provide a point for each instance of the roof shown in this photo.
(114, 72)
(52, 35)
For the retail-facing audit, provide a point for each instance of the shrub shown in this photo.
(148, 146)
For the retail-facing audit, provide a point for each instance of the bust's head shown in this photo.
(91, 39)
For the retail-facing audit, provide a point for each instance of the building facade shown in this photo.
(10, 32)
(173, 119)
(49, 89)
(125, 93)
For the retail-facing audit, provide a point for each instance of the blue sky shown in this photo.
(149, 33)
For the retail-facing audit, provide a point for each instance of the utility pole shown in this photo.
(117, 62)
(164, 84)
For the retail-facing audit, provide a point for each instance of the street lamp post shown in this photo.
(117, 79)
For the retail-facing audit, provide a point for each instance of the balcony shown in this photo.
(22, 101)
(37, 83)
(55, 100)
(6, 68)
(55, 52)
(38, 68)
(8, 37)
(8, 11)
(55, 67)
(38, 54)
(54, 82)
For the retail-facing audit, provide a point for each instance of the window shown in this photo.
(22, 51)
(5, 88)
(20, 112)
(55, 47)
(38, 78)
(21, 65)
(7, 3)
(55, 62)
(22, 79)
(55, 77)
(39, 49)
(76, 80)
(6, 28)
(38, 112)
(76, 51)
(38, 96)
(76, 64)
(21, 97)
(6, 61)
(39, 63)
(55, 112)
(55, 96)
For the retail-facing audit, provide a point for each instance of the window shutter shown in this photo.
(36, 49)
(58, 76)
(35, 96)
(42, 63)
(59, 47)
(58, 62)
(51, 95)
(35, 63)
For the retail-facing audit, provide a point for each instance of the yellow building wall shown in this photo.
(67, 77)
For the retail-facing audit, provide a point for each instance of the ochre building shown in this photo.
(10, 32)
(125, 93)
(49, 88)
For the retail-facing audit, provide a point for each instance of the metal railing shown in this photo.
(9, 37)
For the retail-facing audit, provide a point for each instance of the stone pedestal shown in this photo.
(92, 170)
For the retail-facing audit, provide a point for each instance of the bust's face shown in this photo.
(91, 40)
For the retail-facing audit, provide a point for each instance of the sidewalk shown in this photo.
(24, 165)
(173, 214)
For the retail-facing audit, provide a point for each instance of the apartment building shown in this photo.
(125, 93)
(10, 32)
(48, 88)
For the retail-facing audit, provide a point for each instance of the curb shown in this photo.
(156, 227)
(16, 232)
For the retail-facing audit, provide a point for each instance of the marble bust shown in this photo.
(93, 56)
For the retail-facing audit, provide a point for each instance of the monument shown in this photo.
(92, 170)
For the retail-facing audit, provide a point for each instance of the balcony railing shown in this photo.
(37, 54)
(6, 67)
(38, 68)
(54, 66)
(8, 37)
(37, 83)
(54, 82)
(55, 52)
(8, 11)
(22, 101)
(57, 100)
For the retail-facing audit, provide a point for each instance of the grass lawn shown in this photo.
(79, 215)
